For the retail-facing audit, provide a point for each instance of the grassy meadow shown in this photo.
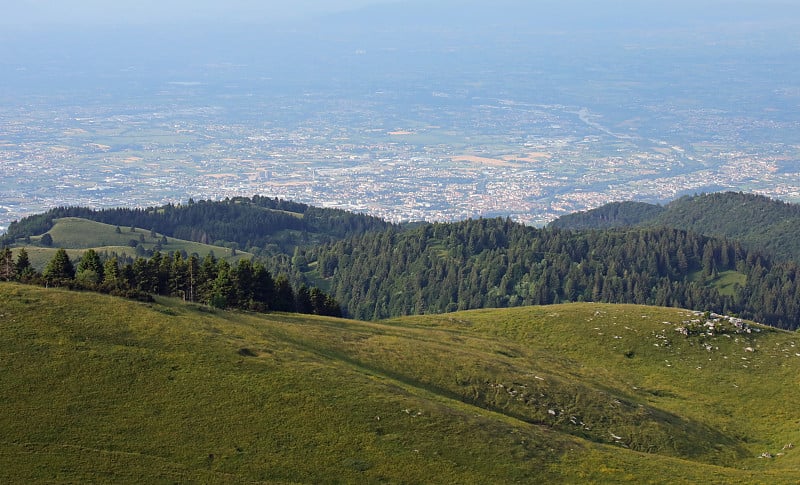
(100, 389)
(76, 235)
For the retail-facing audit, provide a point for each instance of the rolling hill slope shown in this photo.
(565, 393)
(76, 235)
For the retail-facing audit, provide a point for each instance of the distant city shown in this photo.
(526, 126)
(502, 158)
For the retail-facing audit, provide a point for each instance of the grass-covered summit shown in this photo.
(99, 389)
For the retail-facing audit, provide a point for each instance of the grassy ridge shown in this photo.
(76, 235)
(174, 392)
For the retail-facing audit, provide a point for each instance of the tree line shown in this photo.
(377, 270)
(245, 285)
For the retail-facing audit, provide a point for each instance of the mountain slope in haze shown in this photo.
(101, 389)
(758, 222)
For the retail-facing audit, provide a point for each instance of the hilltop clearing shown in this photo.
(76, 235)
(257, 224)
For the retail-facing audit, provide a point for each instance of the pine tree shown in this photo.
(284, 295)
(90, 270)
(111, 274)
(302, 300)
(90, 261)
(263, 287)
(223, 291)
(59, 270)
(179, 278)
(25, 271)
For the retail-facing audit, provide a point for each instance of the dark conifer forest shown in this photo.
(758, 222)
(498, 263)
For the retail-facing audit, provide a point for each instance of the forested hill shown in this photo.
(498, 263)
(756, 221)
(610, 216)
(257, 224)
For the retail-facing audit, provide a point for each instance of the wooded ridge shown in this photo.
(758, 222)
(376, 270)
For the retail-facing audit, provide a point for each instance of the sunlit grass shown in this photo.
(76, 235)
(182, 393)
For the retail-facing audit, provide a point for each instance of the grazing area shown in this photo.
(102, 389)
(76, 235)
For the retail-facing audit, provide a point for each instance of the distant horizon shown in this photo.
(43, 14)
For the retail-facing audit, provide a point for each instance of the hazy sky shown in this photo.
(39, 13)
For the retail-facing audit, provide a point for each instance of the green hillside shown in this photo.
(577, 393)
(259, 225)
(76, 235)
(756, 221)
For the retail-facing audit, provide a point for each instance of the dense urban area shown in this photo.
(440, 160)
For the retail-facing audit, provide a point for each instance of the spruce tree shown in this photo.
(25, 271)
(90, 261)
(59, 270)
